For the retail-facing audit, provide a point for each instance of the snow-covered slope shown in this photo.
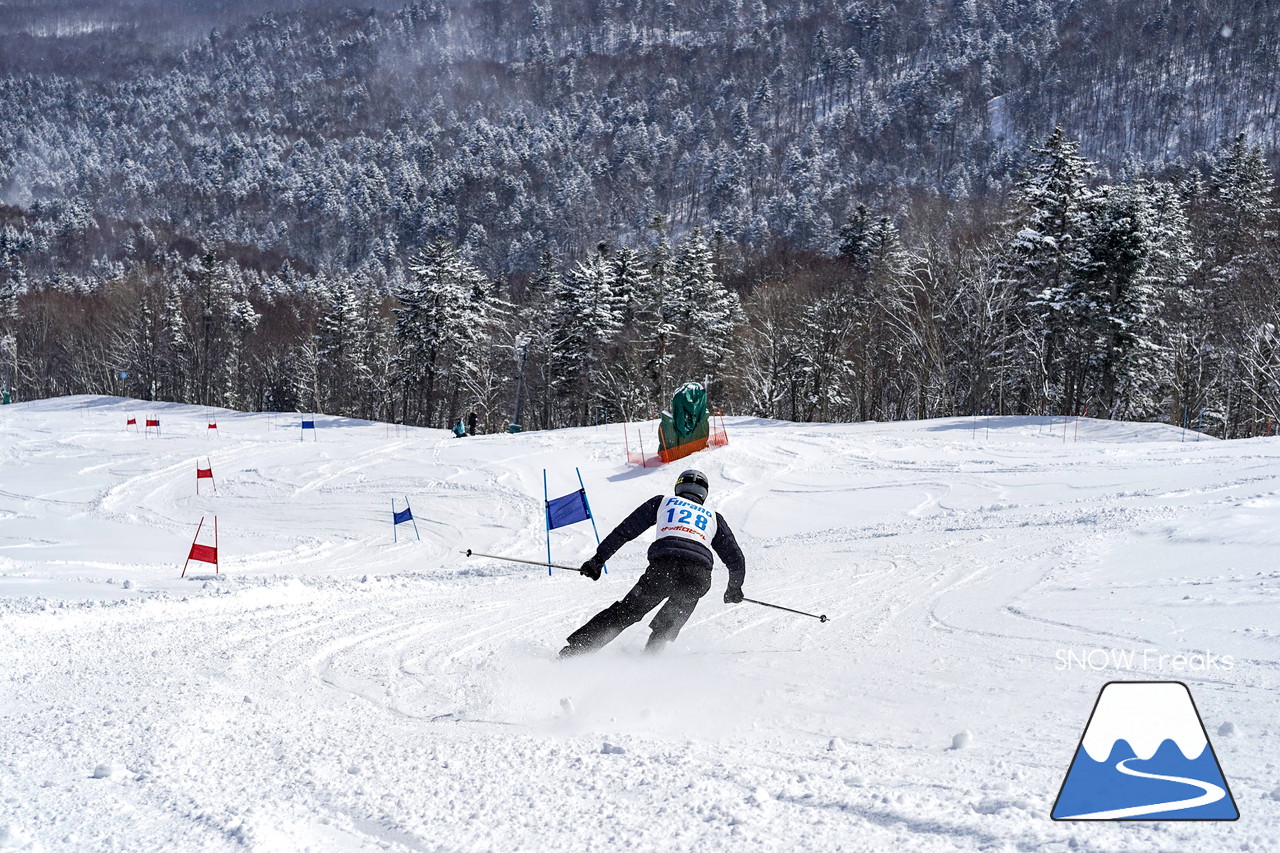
(331, 690)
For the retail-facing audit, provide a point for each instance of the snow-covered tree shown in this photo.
(173, 346)
(707, 314)
(13, 273)
(659, 316)
(446, 307)
(584, 320)
(1053, 199)
(629, 285)
(341, 347)
(872, 245)
(1242, 187)
(1260, 369)
(1113, 304)
(13, 279)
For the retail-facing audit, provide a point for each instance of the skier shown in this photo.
(679, 569)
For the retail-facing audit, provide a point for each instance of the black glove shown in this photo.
(591, 568)
(733, 595)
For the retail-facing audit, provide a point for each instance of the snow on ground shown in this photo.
(332, 691)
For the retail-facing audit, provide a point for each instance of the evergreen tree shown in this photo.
(629, 285)
(374, 370)
(443, 318)
(137, 354)
(586, 320)
(174, 351)
(12, 283)
(225, 320)
(660, 316)
(872, 245)
(1053, 199)
(1232, 283)
(1260, 368)
(341, 349)
(624, 386)
(1242, 188)
(536, 330)
(13, 273)
(706, 313)
(1114, 301)
(8, 361)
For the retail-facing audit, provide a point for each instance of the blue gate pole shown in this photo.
(546, 515)
(411, 518)
(393, 521)
(590, 514)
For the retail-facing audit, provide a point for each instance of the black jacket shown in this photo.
(646, 516)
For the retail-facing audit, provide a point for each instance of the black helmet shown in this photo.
(692, 485)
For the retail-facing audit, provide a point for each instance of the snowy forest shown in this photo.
(836, 211)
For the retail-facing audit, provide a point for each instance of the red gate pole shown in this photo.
(216, 567)
(193, 541)
(205, 474)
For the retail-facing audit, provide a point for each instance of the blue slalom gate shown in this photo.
(566, 510)
(399, 517)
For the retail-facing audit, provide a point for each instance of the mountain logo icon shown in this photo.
(1145, 755)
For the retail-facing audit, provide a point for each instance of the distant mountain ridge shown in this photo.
(347, 137)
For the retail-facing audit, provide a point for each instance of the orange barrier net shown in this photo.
(716, 437)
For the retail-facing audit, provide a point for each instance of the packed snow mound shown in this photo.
(336, 688)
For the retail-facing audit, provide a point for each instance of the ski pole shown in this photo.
(471, 553)
(788, 609)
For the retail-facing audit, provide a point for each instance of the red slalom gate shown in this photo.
(131, 422)
(152, 423)
(205, 474)
(633, 457)
(203, 553)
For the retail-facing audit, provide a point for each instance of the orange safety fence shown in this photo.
(717, 437)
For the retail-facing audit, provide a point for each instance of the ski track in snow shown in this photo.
(330, 690)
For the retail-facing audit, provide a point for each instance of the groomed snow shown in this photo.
(333, 691)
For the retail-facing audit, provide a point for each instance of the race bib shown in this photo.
(687, 520)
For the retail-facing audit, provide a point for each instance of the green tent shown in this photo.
(687, 422)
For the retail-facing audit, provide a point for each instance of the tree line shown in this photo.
(1149, 297)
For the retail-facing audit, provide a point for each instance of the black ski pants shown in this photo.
(680, 582)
